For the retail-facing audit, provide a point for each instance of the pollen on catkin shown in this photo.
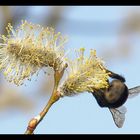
(85, 74)
(29, 48)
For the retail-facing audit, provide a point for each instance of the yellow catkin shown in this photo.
(29, 48)
(85, 74)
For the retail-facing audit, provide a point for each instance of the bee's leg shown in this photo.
(100, 99)
(113, 75)
(116, 76)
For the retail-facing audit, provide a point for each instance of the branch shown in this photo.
(33, 123)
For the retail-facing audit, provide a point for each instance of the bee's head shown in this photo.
(117, 94)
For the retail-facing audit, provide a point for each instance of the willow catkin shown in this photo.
(29, 48)
(85, 74)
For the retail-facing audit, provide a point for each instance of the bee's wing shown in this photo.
(134, 92)
(118, 115)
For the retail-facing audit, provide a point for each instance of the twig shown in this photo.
(33, 123)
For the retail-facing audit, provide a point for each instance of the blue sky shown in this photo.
(81, 114)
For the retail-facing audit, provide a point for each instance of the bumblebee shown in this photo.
(115, 96)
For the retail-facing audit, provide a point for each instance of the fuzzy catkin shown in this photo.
(29, 48)
(85, 74)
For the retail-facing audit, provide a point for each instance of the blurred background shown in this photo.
(114, 31)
